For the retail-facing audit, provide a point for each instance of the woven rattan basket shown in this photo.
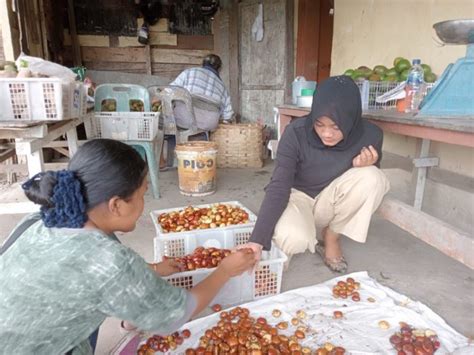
(239, 145)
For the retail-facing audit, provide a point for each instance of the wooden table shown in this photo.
(287, 113)
(32, 136)
(450, 130)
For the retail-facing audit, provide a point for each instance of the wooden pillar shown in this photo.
(234, 57)
(290, 72)
(76, 49)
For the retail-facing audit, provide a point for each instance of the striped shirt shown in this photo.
(202, 81)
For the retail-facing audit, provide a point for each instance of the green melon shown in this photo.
(402, 65)
(380, 69)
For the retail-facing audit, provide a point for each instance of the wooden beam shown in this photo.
(115, 66)
(29, 132)
(290, 44)
(156, 38)
(439, 234)
(161, 26)
(63, 151)
(435, 134)
(195, 42)
(7, 154)
(44, 33)
(30, 146)
(137, 55)
(22, 15)
(178, 56)
(234, 72)
(97, 54)
(76, 48)
(148, 59)
(63, 144)
(88, 40)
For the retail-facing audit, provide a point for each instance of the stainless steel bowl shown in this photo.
(455, 31)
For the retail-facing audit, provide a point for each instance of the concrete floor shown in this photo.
(393, 257)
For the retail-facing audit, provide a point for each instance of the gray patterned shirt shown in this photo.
(58, 285)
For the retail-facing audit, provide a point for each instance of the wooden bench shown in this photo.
(32, 136)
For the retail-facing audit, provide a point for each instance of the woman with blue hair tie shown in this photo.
(62, 274)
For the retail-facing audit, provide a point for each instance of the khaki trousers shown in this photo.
(345, 206)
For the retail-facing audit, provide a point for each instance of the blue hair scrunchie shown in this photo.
(69, 208)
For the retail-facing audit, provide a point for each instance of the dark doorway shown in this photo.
(314, 44)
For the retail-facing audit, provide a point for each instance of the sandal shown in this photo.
(338, 264)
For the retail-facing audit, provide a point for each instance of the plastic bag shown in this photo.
(396, 93)
(44, 67)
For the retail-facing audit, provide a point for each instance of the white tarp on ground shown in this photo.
(358, 331)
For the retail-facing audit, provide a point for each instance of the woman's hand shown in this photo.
(368, 156)
(167, 267)
(237, 262)
(257, 249)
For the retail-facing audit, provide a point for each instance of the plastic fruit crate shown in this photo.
(159, 231)
(370, 90)
(264, 281)
(132, 126)
(180, 244)
(41, 99)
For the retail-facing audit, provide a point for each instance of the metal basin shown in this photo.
(455, 31)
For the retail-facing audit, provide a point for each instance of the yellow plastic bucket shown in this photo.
(197, 168)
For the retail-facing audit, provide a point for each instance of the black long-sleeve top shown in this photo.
(304, 163)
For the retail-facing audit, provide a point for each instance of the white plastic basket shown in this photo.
(180, 244)
(264, 281)
(41, 99)
(159, 231)
(138, 126)
(370, 90)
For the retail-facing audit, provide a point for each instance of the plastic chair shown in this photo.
(169, 95)
(123, 95)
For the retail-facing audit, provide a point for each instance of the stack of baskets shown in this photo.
(263, 281)
(43, 99)
(239, 145)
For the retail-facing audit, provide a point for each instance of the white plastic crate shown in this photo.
(41, 99)
(159, 231)
(370, 90)
(264, 281)
(180, 244)
(139, 126)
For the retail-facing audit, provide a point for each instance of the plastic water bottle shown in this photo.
(414, 87)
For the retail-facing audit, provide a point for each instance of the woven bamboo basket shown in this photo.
(239, 145)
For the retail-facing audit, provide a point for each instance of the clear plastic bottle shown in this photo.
(414, 87)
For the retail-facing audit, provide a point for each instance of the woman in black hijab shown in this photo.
(326, 176)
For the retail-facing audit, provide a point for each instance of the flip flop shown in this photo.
(334, 264)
